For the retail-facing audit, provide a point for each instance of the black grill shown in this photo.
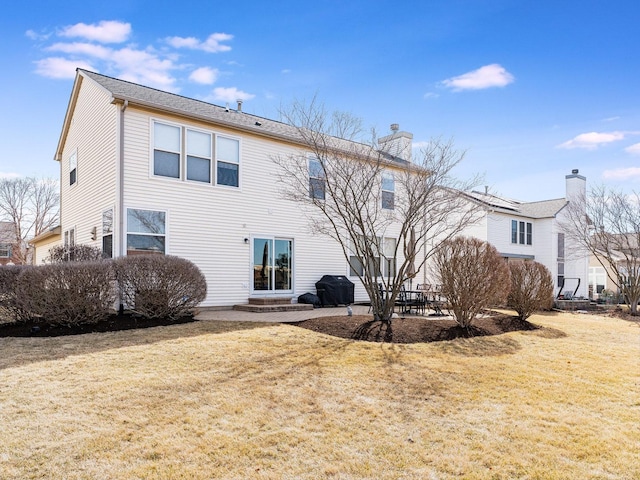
(335, 290)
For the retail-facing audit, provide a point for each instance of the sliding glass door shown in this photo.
(272, 264)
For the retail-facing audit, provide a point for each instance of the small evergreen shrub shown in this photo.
(68, 293)
(531, 288)
(159, 286)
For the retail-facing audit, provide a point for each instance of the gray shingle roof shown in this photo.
(541, 209)
(177, 104)
(141, 95)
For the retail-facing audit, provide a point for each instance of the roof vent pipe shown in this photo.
(239, 105)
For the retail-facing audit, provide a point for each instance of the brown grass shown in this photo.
(254, 401)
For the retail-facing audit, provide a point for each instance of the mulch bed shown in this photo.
(413, 329)
(111, 324)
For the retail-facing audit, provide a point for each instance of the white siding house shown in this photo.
(146, 171)
(531, 231)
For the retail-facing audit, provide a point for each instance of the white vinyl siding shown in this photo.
(92, 138)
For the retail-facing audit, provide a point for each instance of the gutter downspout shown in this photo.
(120, 180)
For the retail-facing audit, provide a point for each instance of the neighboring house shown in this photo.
(7, 240)
(531, 231)
(145, 171)
(621, 257)
(43, 242)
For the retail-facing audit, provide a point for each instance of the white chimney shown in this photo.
(239, 105)
(398, 144)
(576, 186)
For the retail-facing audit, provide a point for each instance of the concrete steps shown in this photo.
(272, 304)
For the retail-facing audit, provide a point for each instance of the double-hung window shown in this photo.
(146, 231)
(166, 150)
(70, 237)
(73, 168)
(5, 250)
(316, 180)
(521, 232)
(107, 233)
(188, 154)
(198, 156)
(228, 161)
(383, 264)
(388, 191)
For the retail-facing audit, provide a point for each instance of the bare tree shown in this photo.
(362, 197)
(606, 224)
(473, 276)
(30, 205)
(531, 288)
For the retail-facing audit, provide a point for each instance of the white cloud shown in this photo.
(633, 149)
(60, 68)
(106, 31)
(9, 175)
(229, 94)
(143, 67)
(285, 71)
(592, 140)
(493, 75)
(212, 44)
(622, 174)
(429, 95)
(36, 36)
(610, 119)
(204, 75)
(81, 48)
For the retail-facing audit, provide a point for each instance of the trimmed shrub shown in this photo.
(74, 253)
(10, 309)
(159, 286)
(531, 288)
(473, 276)
(68, 293)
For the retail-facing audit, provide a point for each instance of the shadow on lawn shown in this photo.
(17, 351)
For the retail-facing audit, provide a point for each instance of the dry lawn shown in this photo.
(255, 401)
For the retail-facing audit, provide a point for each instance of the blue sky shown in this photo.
(530, 89)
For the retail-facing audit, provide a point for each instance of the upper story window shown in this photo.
(521, 232)
(166, 150)
(228, 161)
(5, 250)
(186, 153)
(198, 156)
(388, 191)
(73, 168)
(560, 246)
(316, 180)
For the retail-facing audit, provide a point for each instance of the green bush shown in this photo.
(68, 293)
(159, 286)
